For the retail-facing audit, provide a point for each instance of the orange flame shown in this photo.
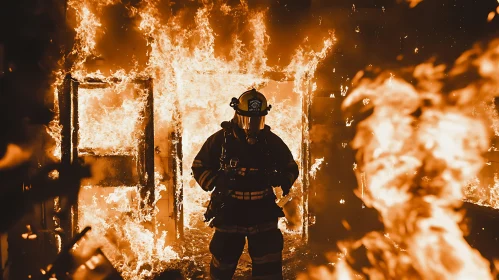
(100, 109)
(416, 166)
(128, 237)
(316, 167)
(414, 3)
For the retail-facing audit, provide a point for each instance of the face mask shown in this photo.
(251, 126)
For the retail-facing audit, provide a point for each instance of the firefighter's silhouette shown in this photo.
(241, 163)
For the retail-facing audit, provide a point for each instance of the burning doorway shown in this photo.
(202, 119)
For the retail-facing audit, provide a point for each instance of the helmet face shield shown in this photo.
(250, 124)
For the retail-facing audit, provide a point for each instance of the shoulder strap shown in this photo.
(228, 133)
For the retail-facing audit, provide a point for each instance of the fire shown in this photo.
(416, 153)
(86, 32)
(316, 167)
(54, 129)
(100, 110)
(192, 85)
(122, 231)
(413, 3)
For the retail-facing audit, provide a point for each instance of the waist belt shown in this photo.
(250, 195)
(247, 230)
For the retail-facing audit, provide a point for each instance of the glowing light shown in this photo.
(54, 174)
(343, 90)
(491, 16)
(316, 167)
(414, 3)
(349, 122)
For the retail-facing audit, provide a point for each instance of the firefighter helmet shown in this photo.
(251, 109)
(251, 103)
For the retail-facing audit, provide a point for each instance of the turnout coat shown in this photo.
(255, 168)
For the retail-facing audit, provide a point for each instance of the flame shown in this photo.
(126, 235)
(304, 63)
(191, 86)
(316, 167)
(260, 42)
(413, 3)
(54, 128)
(86, 32)
(416, 166)
(100, 109)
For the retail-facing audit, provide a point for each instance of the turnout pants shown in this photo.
(265, 244)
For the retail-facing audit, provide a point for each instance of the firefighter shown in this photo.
(241, 163)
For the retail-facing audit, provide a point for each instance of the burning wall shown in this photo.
(191, 84)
